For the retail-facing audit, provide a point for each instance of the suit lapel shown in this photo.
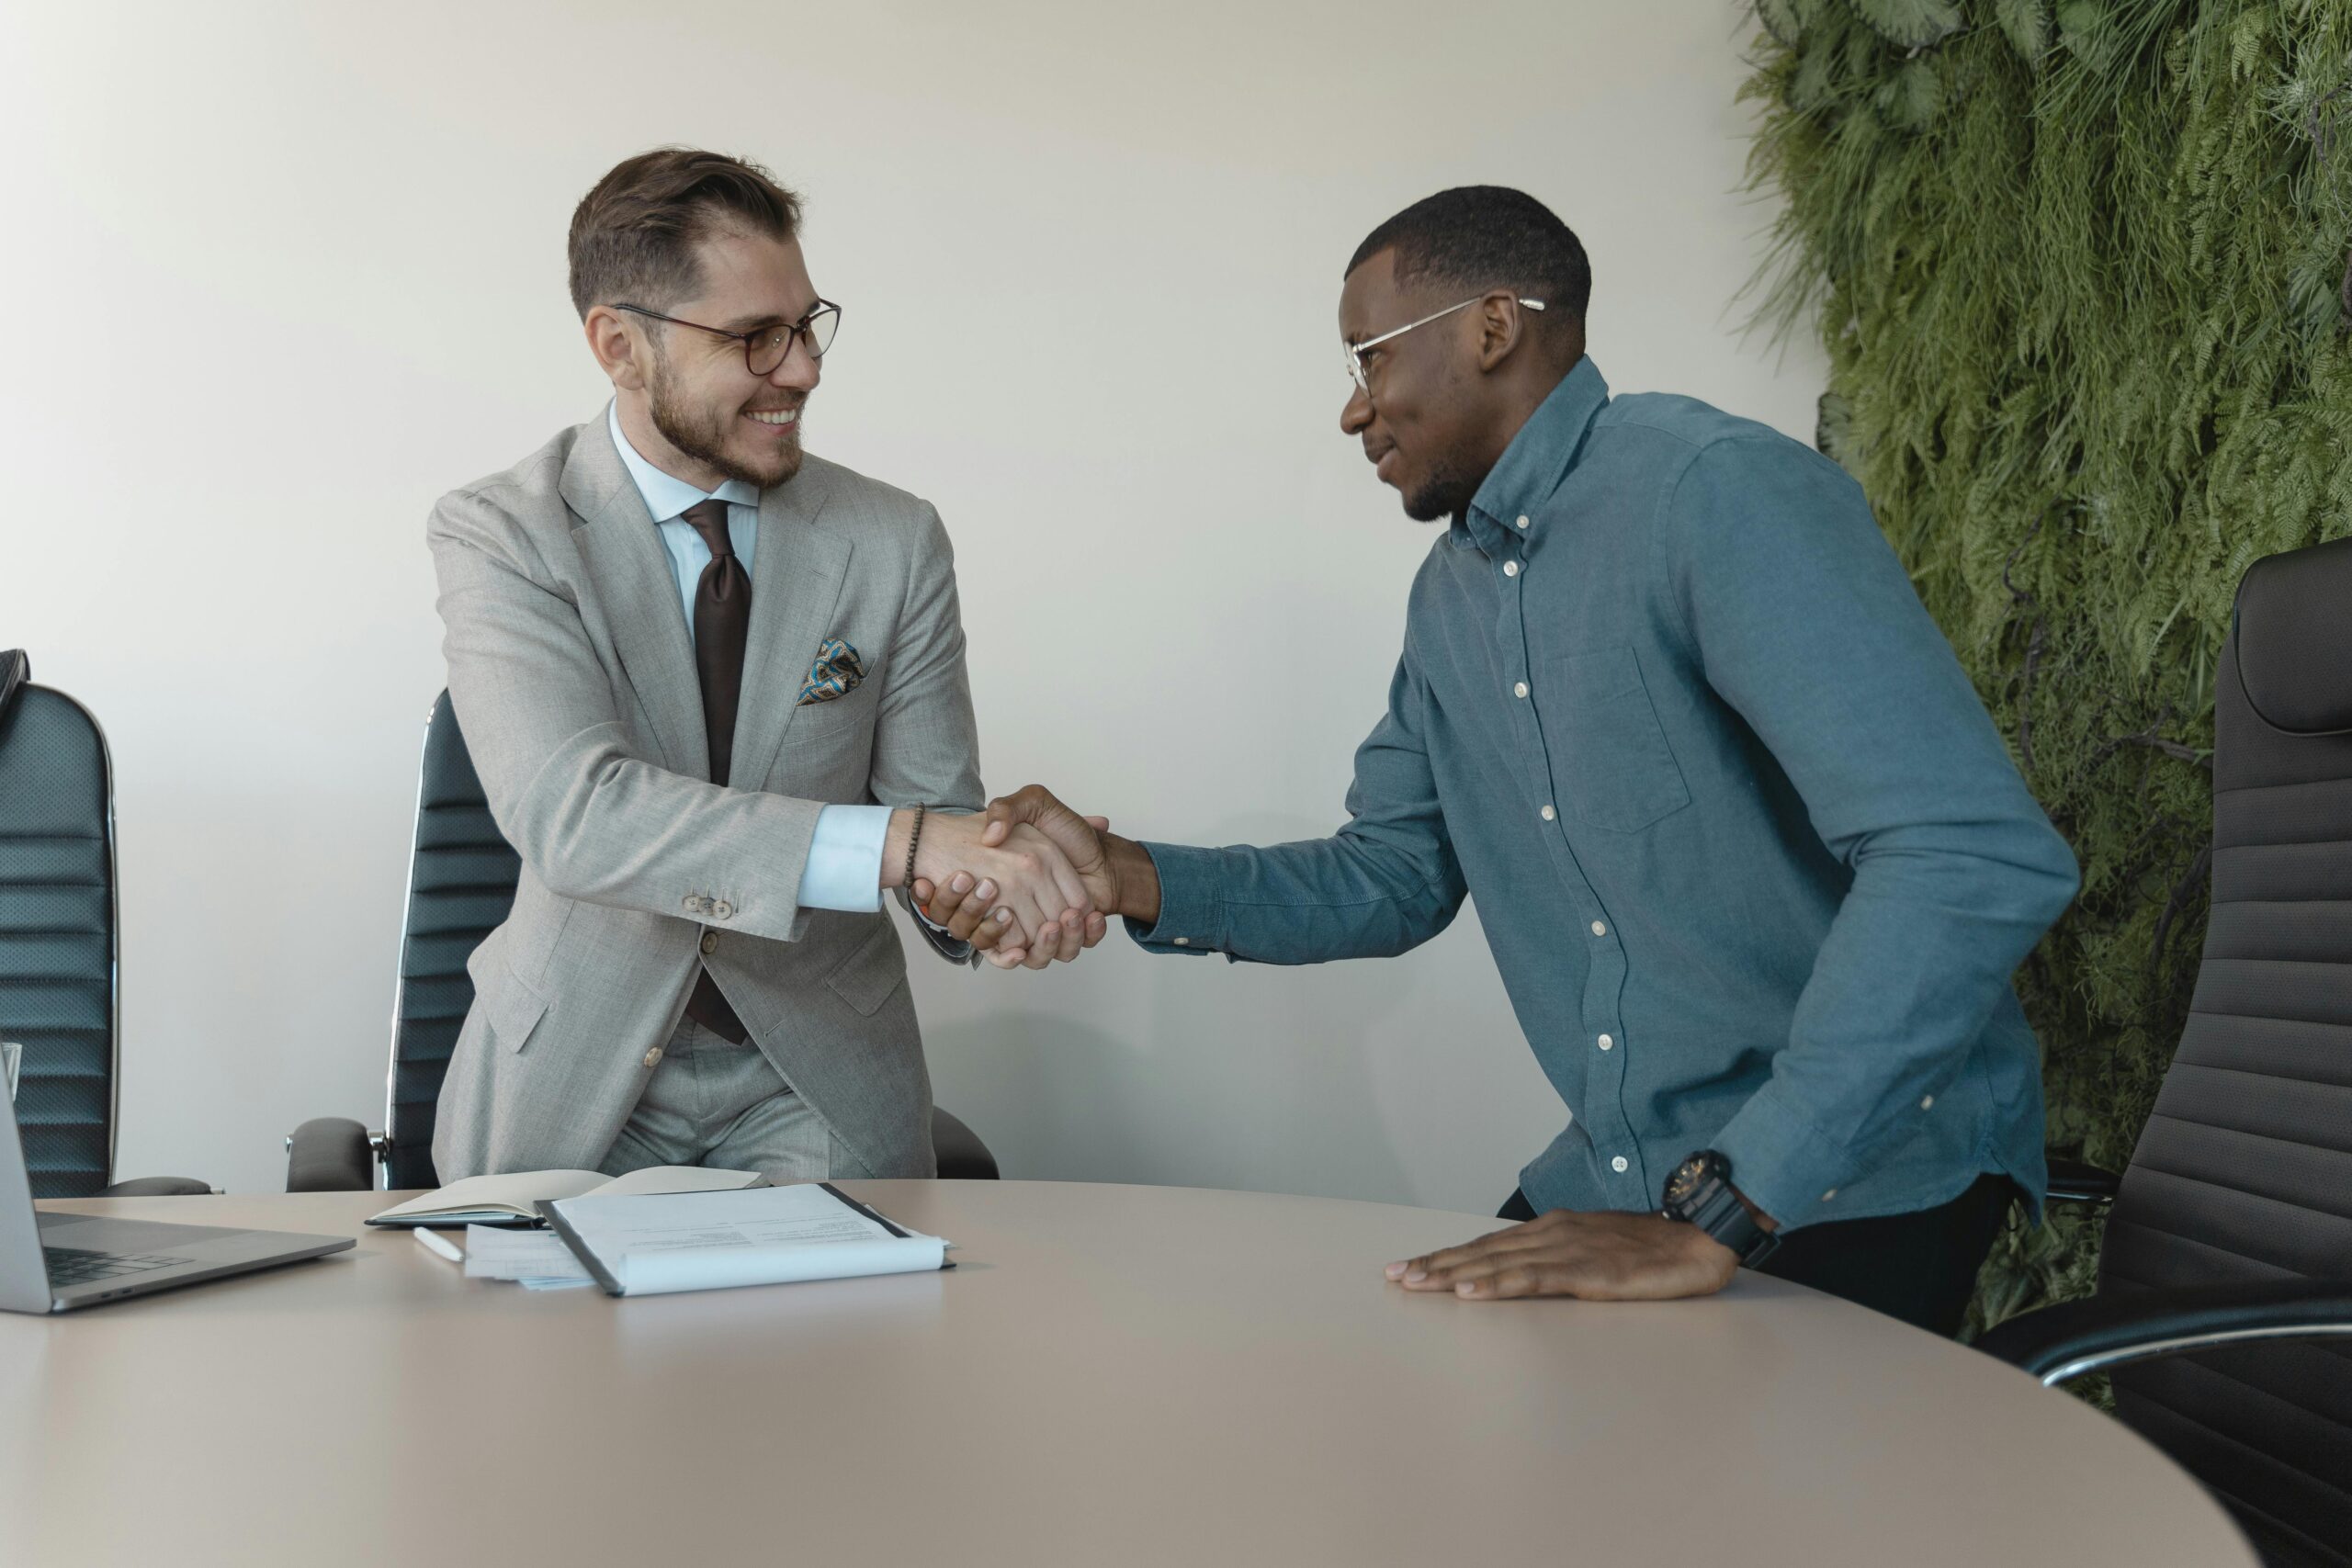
(798, 570)
(631, 572)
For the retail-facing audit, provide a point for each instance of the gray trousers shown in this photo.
(714, 1103)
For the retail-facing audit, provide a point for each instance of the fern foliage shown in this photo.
(2081, 270)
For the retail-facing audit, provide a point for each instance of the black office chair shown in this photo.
(58, 994)
(461, 882)
(2225, 1300)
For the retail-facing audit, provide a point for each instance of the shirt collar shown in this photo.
(666, 495)
(1537, 459)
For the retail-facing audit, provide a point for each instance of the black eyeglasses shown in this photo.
(765, 349)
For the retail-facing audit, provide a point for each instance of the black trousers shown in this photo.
(1919, 1267)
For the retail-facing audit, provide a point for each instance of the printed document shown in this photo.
(768, 1236)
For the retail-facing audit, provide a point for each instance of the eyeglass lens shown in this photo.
(765, 351)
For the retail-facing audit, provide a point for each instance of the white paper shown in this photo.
(528, 1256)
(765, 1236)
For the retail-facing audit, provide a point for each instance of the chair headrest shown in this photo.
(2293, 633)
(15, 670)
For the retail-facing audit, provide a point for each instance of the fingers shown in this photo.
(974, 913)
(1057, 865)
(1422, 1270)
(1097, 926)
(1073, 936)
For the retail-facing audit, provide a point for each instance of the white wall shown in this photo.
(275, 277)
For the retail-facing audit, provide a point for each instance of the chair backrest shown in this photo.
(2244, 1171)
(57, 932)
(460, 884)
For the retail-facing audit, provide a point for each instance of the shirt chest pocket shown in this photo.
(1609, 758)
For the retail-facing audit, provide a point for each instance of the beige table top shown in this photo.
(1115, 1375)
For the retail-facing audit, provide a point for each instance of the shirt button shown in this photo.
(1599, 929)
(1519, 690)
(653, 1055)
(1618, 1165)
(1548, 813)
(1829, 1195)
(1183, 941)
(692, 905)
(710, 942)
(1510, 569)
(722, 908)
(1926, 1101)
(1606, 1043)
(1523, 523)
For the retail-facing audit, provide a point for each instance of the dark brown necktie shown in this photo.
(722, 627)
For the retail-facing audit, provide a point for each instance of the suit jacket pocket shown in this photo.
(874, 969)
(1610, 754)
(513, 1009)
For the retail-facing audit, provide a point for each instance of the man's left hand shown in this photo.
(1609, 1257)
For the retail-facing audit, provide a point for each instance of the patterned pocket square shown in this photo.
(836, 673)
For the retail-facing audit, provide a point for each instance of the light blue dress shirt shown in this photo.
(844, 870)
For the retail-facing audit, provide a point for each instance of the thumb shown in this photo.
(1100, 823)
(1001, 815)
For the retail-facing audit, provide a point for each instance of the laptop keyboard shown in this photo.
(79, 1266)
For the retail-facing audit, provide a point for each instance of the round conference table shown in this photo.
(1113, 1375)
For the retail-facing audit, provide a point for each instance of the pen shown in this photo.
(433, 1243)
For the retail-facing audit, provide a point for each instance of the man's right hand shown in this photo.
(1118, 875)
(1035, 895)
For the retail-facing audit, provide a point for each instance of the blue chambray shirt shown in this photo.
(1752, 859)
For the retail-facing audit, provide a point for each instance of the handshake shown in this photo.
(1029, 881)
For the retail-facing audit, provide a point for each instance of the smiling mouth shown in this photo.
(780, 418)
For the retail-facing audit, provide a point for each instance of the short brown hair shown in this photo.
(633, 236)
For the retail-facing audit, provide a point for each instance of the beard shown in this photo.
(1446, 491)
(701, 432)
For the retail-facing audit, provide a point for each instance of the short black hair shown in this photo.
(1487, 237)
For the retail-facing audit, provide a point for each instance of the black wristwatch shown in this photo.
(1699, 1191)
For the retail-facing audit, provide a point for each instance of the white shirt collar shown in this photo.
(666, 495)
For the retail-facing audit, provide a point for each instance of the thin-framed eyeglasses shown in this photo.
(1356, 351)
(767, 348)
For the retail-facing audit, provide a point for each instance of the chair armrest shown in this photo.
(157, 1187)
(330, 1154)
(2065, 1341)
(2072, 1182)
(961, 1156)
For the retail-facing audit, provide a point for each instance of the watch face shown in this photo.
(1687, 1178)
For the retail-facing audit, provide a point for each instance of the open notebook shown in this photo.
(513, 1199)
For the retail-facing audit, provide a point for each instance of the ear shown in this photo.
(621, 347)
(1502, 327)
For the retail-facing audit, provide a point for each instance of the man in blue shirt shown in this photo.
(1752, 859)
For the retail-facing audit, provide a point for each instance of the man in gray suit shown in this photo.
(715, 689)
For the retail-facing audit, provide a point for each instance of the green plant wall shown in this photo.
(2081, 271)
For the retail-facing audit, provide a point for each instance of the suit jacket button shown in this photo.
(710, 942)
(722, 908)
(653, 1055)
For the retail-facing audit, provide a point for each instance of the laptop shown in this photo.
(57, 1262)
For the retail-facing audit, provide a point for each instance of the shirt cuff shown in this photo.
(1191, 902)
(1782, 1163)
(844, 869)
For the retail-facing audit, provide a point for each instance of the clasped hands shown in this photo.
(1028, 883)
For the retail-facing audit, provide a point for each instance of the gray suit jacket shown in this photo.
(573, 676)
